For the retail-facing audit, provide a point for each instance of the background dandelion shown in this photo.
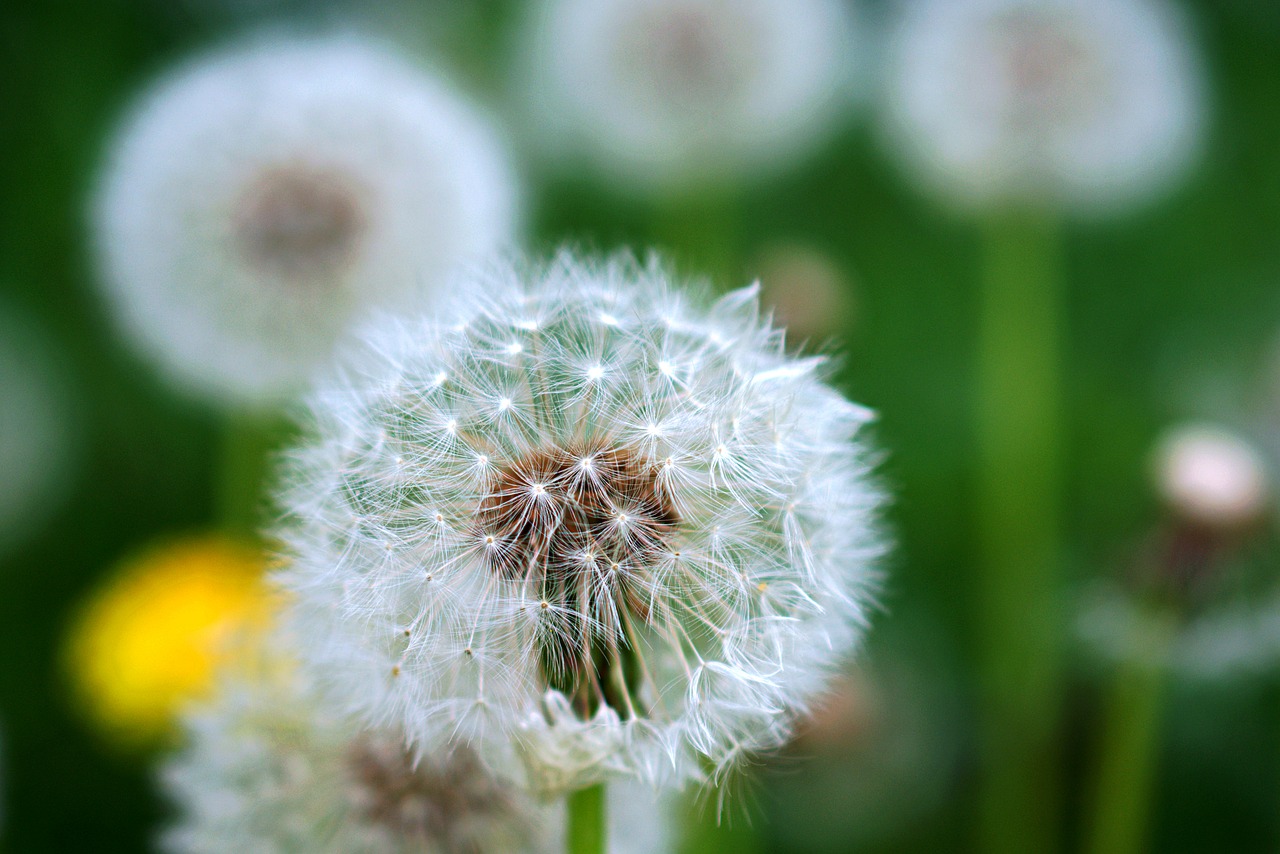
(667, 96)
(1082, 103)
(262, 197)
(268, 767)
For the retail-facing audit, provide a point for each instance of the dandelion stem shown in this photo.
(1018, 490)
(587, 821)
(1127, 752)
(248, 441)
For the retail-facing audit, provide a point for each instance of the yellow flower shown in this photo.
(151, 639)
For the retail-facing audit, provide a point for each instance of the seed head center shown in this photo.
(299, 223)
(556, 506)
(436, 805)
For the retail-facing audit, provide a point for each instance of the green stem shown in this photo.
(1018, 491)
(248, 442)
(1128, 749)
(587, 828)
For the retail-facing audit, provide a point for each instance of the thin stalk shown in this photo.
(247, 444)
(1128, 752)
(1018, 492)
(587, 827)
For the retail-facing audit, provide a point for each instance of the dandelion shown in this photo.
(589, 511)
(149, 641)
(261, 198)
(269, 766)
(1216, 490)
(1211, 478)
(668, 94)
(1215, 487)
(1086, 103)
(36, 439)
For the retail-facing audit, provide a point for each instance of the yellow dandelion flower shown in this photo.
(150, 640)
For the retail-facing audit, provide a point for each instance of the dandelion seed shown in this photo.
(260, 199)
(623, 605)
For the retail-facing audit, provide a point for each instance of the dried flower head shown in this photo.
(670, 93)
(262, 197)
(149, 641)
(586, 510)
(1088, 103)
(269, 769)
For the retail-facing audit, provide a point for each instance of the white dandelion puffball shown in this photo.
(1211, 477)
(590, 512)
(670, 93)
(268, 769)
(1084, 103)
(261, 198)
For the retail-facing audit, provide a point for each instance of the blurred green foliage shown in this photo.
(1172, 314)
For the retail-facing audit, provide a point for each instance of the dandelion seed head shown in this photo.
(1088, 104)
(270, 767)
(678, 93)
(261, 198)
(623, 603)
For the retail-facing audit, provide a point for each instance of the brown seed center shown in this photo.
(556, 511)
(583, 527)
(437, 806)
(299, 222)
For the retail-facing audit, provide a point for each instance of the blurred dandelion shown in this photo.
(1082, 103)
(670, 96)
(36, 438)
(148, 641)
(589, 511)
(1211, 478)
(260, 198)
(269, 767)
(1216, 491)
